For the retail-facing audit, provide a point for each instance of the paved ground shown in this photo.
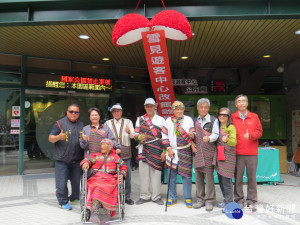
(30, 199)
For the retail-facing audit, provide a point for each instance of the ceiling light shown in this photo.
(94, 67)
(184, 57)
(297, 32)
(280, 69)
(84, 36)
(266, 56)
(105, 59)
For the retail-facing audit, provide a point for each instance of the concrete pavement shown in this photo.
(30, 199)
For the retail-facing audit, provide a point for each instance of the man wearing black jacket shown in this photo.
(65, 135)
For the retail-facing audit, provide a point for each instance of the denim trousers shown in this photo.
(63, 173)
(186, 183)
(128, 179)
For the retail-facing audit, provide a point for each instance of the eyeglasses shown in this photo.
(223, 115)
(74, 112)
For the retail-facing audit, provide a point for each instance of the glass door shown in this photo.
(9, 131)
(43, 109)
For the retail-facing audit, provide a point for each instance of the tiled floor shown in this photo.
(30, 199)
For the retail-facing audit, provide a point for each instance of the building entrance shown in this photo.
(43, 109)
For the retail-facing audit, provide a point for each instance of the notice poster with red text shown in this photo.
(159, 69)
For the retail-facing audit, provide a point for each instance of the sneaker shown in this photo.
(159, 201)
(171, 202)
(66, 206)
(141, 201)
(188, 203)
(221, 205)
(198, 205)
(209, 206)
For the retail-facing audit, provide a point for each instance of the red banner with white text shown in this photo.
(159, 69)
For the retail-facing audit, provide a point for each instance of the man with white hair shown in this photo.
(177, 135)
(123, 131)
(150, 153)
(248, 131)
(207, 132)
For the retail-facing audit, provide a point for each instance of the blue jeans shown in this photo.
(186, 183)
(64, 172)
(128, 179)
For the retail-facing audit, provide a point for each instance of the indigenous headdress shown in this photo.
(107, 141)
(177, 105)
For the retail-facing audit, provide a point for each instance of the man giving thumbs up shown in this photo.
(67, 155)
(248, 130)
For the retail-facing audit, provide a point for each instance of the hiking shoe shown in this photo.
(188, 203)
(209, 206)
(159, 201)
(66, 206)
(252, 207)
(198, 205)
(141, 201)
(221, 205)
(171, 202)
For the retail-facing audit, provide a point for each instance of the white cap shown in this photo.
(115, 107)
(150, 101)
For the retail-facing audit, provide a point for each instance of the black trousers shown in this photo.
(226, 188)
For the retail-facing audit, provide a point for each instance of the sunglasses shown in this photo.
(74, 112)
(223, 115)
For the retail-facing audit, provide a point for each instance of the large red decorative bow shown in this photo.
(129, 28)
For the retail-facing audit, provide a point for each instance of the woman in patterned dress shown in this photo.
(103, 186)
(226, 156)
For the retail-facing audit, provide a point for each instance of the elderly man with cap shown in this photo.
(177, 135)
(150, 153)
(207, 133)
(123, 131)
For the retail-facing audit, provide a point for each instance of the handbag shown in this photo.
(91, 172)
(221, 154)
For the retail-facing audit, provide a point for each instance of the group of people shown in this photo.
(227, 143)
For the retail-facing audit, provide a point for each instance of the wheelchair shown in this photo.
(86, 213)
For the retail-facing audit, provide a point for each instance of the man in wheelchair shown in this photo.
(102, 187)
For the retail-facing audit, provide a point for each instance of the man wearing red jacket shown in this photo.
(248, 130)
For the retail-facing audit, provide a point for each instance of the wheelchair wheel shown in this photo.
(87, 215)
(122, 214)
(122, 200)
(82, 193)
